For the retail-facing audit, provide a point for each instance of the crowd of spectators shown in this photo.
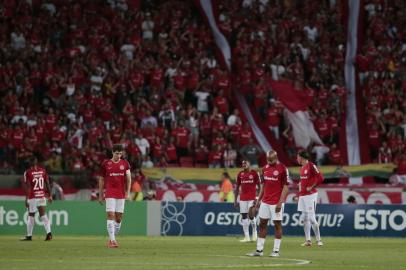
(298, 41)
(76, 77)
(382, 76)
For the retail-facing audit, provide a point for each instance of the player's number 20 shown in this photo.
(38, 183)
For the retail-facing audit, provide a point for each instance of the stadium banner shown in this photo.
(72, 218)
(325, 196)
(203, 175)
(335, 220)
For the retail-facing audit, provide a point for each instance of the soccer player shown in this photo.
(310, 177)
(116, 178)
(248, 180)
(37, 190)
(274, 188)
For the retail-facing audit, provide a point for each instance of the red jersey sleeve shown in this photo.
(317, 175)
(128, 167)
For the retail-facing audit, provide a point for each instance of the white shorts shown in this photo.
(115, 205)
(267, 211)
(307, 203)
(33, 204)
(245, 205)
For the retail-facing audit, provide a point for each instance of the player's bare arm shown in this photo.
(101, 187)
(49, 191)
(128, 177)
(261, 194)
(282, 199)
(27, 188)
(236, 193)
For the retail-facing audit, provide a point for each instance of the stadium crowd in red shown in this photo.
(304, 42)
(382, 76)
(77, 77)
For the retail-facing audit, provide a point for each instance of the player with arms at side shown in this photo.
(116, 178)
(310, 177)
(248, 180)
(37, 189)
(271, 199)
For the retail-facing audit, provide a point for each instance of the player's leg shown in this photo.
(30, 219)
(41, 204)
(277, 220)
(111, 217)
(253, 222)
(307, 228)
(313, 221)
(45, 222)
(245, 221)
(264, 216)
(306, 220)
(118, 215)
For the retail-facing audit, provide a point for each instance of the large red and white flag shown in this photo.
(296, 103)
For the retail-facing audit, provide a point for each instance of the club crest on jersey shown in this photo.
(250, 177)
(121, 167)
(305, 171)
(276, 173)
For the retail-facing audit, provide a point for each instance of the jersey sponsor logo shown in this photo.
(121, 167)
(247, 181)
(116, 174)
(270, 178)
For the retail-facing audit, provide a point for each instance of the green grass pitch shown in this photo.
(90, 252)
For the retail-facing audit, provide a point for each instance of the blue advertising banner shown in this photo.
(179, 218)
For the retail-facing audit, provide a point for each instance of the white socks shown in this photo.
(246, 227)
(260, 244)
(276, 244)
(46, 223)
(30, 225)
(315, 226)
(110, 229)
(254, 226)
(117, 227)
(307, 228)
(309, 221)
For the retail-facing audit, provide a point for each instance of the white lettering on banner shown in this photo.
(370, 216)
(393, 224)
(373, 219)
(227, 218)
(324, 196)
(12, 218)
(233, 218)
(359, 219)
(209, 218)
(296, 220)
